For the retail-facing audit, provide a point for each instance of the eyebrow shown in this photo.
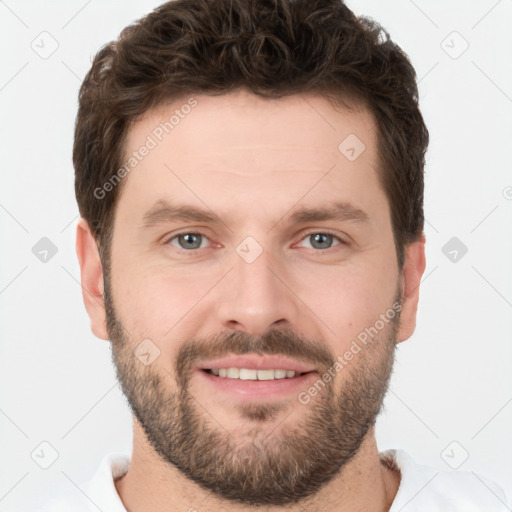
(338, 211)
(163, 212)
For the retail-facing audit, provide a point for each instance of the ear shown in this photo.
(414, 266)
(91, 273)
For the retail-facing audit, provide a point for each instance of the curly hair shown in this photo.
(273, 48)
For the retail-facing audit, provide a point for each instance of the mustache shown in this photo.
(276, 341)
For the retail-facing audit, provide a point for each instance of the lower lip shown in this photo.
(252, 389)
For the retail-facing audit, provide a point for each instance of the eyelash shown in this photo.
(304, 236)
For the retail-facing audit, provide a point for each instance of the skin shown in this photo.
(252, 162)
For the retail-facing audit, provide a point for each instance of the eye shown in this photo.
(188, 241)
(322, 240)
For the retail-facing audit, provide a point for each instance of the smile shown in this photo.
(252, 374)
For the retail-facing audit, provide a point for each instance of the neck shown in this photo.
(365, 483)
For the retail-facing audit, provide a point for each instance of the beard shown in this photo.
(269, 462)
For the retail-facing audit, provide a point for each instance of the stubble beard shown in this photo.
(290, 450)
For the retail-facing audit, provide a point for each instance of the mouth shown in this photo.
(247, 385)
(256, 377)
(253, 374)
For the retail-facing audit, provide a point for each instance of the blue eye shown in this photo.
(188, 241)
(322, 240)
(192, 241)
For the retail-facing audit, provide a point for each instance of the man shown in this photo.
(250, 181)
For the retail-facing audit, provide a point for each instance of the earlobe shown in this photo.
(91, 273)
(414, 266)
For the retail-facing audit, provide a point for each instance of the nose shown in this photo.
(256, 297)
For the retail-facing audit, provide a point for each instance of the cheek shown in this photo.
(348, 297)
(156, 301)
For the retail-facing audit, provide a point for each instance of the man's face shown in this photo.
(263, 274)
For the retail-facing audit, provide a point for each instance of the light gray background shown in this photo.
(453, 379)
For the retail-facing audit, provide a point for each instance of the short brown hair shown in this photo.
(273, 48)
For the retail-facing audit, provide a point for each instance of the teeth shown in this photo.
(247, 374)
(266, 374)
(233, 373)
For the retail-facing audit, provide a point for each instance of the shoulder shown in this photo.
(97, 493)
(428, 489)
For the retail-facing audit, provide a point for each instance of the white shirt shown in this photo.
(422, 489)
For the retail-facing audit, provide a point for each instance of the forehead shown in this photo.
(238, 148)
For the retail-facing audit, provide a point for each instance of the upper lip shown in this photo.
(256, 362)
